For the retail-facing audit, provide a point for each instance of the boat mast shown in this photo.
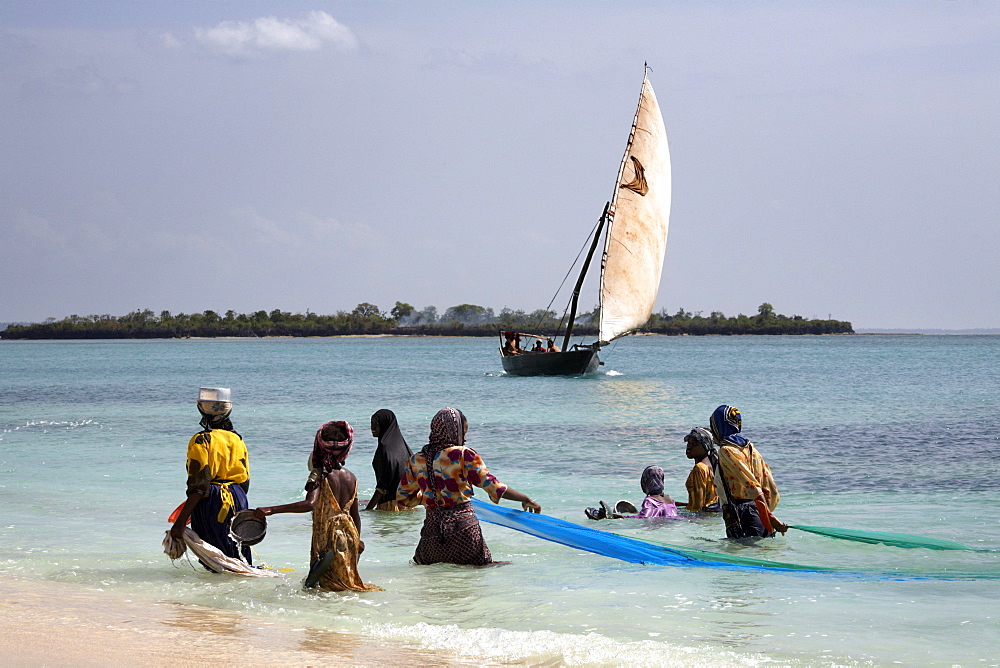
(583, 274)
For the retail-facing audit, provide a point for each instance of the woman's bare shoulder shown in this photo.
(340, 476)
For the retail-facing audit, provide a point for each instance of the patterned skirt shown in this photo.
(452, 535)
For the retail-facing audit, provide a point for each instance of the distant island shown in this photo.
(402, 319)
(980, 331)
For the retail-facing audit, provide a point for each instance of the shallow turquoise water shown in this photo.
(888, 433)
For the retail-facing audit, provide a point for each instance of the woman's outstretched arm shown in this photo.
(526, 503)
(303, 506)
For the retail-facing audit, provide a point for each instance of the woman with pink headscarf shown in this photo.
(441, 477)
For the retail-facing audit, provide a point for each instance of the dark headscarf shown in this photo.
(391, 455)
(446, 431)
(210, 422)
(703, 437)
(652, 480)
(726, 424)
(329, 454)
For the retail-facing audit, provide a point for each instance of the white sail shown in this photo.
(638, 220)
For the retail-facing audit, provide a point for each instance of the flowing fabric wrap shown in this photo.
(210, 556)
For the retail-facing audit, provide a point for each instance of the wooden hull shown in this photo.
(570, 363)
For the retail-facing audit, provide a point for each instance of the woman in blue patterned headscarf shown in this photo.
(743, 480)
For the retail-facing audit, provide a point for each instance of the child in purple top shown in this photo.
(655, 505)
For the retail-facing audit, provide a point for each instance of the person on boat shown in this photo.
(391, 456)
(332, 496)
(553, 348)
(655, 505)
(510, 344)
(441, 477)
(218, 468)
(538, 347)
(743, 480)
(700, 482)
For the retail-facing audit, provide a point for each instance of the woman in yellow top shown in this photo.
(700, 482)
(743, 480)
(218, 480)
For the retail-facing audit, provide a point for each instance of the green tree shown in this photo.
(401, 311)
(366, 310)
(471, 314)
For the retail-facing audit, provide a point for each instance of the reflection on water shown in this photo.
(394, 528)
(622, 400)
(449, 594)
(206, 620)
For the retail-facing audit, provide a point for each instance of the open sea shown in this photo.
(885, 433)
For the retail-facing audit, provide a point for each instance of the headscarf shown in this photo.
(446, 430)
(726, 423)
(329, 454)
(703, 437)
(652, 480)
(210, 422)
(391, 454)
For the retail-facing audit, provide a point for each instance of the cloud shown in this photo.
(270, 34)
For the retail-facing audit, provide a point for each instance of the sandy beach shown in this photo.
(53, 624)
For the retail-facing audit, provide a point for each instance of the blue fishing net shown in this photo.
(620, 547)
(638, 551)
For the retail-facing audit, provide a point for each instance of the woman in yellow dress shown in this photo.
(218, 479)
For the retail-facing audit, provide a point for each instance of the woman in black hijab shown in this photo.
(391, 457)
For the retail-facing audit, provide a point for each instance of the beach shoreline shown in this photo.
(57, 624)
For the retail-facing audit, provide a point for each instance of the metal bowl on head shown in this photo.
(247, 528)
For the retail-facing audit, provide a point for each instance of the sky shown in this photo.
(834, 159)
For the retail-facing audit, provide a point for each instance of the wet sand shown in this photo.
(53, 624)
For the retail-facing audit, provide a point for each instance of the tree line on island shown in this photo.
(404, 319)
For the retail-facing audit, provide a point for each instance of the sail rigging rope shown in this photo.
(568, 272)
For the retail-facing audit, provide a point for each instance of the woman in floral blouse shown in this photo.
(743, 480)
(451, 532)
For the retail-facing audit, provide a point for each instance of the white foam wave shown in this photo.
(548, 647)
(50, 424)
